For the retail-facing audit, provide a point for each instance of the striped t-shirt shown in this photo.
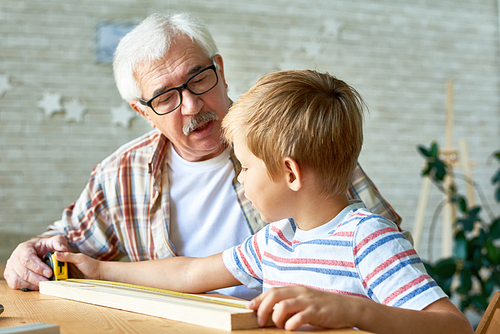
(357, 253)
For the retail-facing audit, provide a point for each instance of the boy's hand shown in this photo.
(89, 267)
(298, 305)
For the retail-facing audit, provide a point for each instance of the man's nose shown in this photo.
(191, 103)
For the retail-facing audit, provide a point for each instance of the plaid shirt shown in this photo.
(123, 210)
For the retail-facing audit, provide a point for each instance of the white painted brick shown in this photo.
(399, 55)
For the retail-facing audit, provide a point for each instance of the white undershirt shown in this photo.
(205, 216)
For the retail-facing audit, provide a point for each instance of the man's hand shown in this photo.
(25, 269)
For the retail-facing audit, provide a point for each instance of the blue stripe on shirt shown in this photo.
(300, 267)
(253, 252)
(243, 268)
(376, 245)
(341, 243)
(280, 242)
(414, 293)
(267, 234)
(390, 272)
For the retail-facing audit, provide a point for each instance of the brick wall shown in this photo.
(399, 55)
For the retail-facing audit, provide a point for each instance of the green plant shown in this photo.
(475, 261)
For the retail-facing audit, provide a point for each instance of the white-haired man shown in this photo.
(174, 190)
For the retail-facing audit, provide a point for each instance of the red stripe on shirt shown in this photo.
(280, 235)
(347, 234)
(371, 237)
(257, 250)
(245, 261)
(310, 261)
(386, 264)
(404, 288)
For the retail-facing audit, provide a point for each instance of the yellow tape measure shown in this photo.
(168, 292)
(60, 272)
(59, 269)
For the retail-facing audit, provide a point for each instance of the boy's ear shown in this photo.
(293, 174)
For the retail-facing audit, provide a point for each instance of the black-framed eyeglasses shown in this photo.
(169, 100)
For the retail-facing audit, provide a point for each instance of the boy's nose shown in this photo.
(241, 179)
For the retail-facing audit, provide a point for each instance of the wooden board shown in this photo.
(160, 304)
(73, 317)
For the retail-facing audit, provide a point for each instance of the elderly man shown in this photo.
(172, 191)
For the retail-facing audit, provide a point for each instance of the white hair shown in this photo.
(151, 40)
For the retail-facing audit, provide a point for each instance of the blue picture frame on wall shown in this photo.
(108, 35)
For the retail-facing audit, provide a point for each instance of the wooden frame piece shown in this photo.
(453, 158)
(160, 304)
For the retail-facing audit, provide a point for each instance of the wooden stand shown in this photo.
(451, 157)
(490, 322)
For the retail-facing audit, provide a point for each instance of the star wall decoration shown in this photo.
(50, 103)
(333, 28)
(4, 84)
(314, 49)
(74, 110)
(122, 115)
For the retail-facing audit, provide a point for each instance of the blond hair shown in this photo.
(311, 117)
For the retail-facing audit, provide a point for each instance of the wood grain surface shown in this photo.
(74, 317)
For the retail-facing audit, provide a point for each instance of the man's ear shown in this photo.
(141, 110)
(293, 174)
(220, 67)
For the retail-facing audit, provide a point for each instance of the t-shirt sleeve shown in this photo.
(244, 262)
(391, 271)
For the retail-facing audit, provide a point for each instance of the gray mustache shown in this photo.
(195, 121)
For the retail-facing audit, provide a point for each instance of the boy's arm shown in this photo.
(297, 305)
(184, 274)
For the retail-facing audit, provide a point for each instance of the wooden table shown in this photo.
(22, 308)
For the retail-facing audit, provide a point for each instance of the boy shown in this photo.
(323, 260)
